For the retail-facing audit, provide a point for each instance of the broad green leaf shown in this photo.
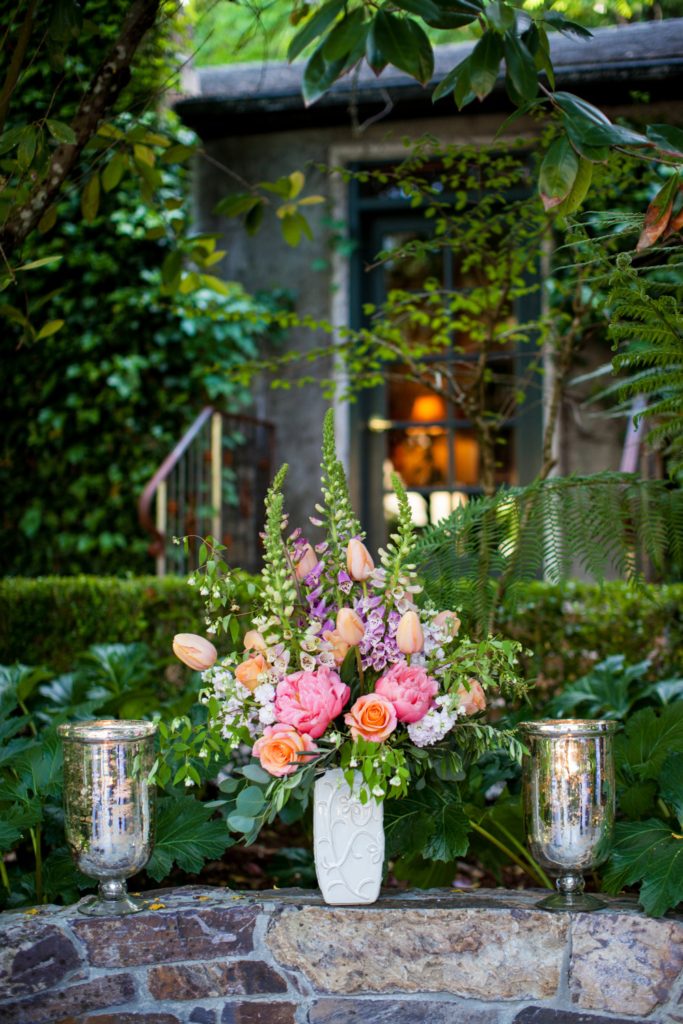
(666, 137)
(566, 27)
(671, 783)
(48, 220)
(658, 213)
(39, 767)
(177, 154)
(241, 823)
(592, 126)
(374, 56)
(255, 773)
(579, 189)
(500, 15)
(454, 13)
(296, 183)
(404, 44)
(461, 72)
(450, 837)
(558, 173)
(314, 27)
(521, 67)
(408, 825)
(42, 262)
(250, 801)
(62, 879)
(49, 328)
(650, 735)
(233, 206)
(144, 155)
(113, 172)
(62, 132)
(90, 199)
(650, 853)
(171, 268)
(637, 799)
(425, 9)
(294, 225)
(27, 147)
(485, 63)
(344, 36)
(10, 139)
(319, 75)
(15, 821)
(186, 836)
(252, 221)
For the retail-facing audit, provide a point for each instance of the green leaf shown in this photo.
(319, 75)
(649, 736)
(404, 44)
(27, 147)
(42, 262)
(485, 63)
(241, 823)
(113, 172)
(425, 9)
(255, 773)
(186, 836)
(450, 837)
(666, 137)
(455, 80)
(344, 35)
(62, 132)
(561, 24)
(10, 138)
(500, 15)
(638, 799)
(374, 56)
(671, 783)
(521, 67)
(15, 821)
(250, 801)
(49, 328)
(171, 268)
(253, 219)
(650, 853)
(558, 173)
(90, 199)
(454, 13)
(592, 127)
(314, 27)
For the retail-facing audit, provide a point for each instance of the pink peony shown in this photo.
(310, 700)
(409, 689)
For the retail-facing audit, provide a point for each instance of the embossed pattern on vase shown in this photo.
(348, 841)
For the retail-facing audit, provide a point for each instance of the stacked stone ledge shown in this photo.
(211, 956)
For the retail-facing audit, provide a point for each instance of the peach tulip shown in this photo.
(253, 641)
(350, 626)
(472, 699)
(359, 561)
(409, 636)
(448, 623)
(194, 651)
(249, 671)
(338, 646)
(306, 563)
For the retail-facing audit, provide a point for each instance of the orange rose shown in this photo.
(338, 645)
(194, 651)
(372, 717)
(249, 671)
(280, 748)
(472, 699)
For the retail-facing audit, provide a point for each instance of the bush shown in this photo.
(568, 628)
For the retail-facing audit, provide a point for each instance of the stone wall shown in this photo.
(212, 956)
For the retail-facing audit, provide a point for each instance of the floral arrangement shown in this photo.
(345, 663)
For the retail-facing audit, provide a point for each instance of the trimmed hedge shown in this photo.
(568, 628)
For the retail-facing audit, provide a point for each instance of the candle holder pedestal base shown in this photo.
(570, 896)
(112, 900)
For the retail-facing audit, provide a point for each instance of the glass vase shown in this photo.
(569, 803)
(109, 807)
(348, 841)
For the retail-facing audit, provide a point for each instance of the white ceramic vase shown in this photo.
(348, 841)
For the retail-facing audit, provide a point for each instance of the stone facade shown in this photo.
(211, 956)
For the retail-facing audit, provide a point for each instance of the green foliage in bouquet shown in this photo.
(345, 665)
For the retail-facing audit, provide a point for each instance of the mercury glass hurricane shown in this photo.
(109, 807)
(569, 803)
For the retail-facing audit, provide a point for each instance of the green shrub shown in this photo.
(568, 628)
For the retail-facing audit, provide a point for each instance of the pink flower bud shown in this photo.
(253, 641)
(194, 651)
(306, 563)
(350, 626)
(338, 646)
(472, 699)
(409, 636)
(359, 561)
(448, 623)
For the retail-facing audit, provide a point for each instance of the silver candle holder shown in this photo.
(569, 803)
(109, 807)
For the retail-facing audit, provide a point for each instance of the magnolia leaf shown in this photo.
(373, 54)
(113, 172)
(62, 132)
(48, 220)
(10, 139)
(521, 68)
(404, 44)
(558, 174)
(500, 15)
(49, 328)
(186, 836)
(578, 190)
(593, 127)
(425, 9)
(666, 137)
(658, 213)
(650, 853)
(454, 13)
(314, 27)
(450, 82)
(566, 27)
(485, 63)
(27, 147)
(319, 75)
(90, 199)
(344, 35)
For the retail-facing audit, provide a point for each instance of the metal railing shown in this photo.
(213, 483)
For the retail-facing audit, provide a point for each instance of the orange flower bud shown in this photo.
(359, 561)
(194, 651)
(253, 641)
(306, 563)
(409, 636)
(474, 699)
(350, 626)
(249, 671)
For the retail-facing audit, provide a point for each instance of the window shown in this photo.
(404, 426)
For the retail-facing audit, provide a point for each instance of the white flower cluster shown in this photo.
(435, 724)
(240, 708)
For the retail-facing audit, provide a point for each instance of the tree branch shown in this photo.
(110, 78)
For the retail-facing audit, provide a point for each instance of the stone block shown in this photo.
(623, 963)
(201, 1016)
(70, 1003)
(123, 1018)
(542, 1015)
(214, 979)
(258, 1013)
(403, 1011)
(195, 933)
(452, 951)
(34, 956)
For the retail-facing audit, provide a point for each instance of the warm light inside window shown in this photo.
(427, 408)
